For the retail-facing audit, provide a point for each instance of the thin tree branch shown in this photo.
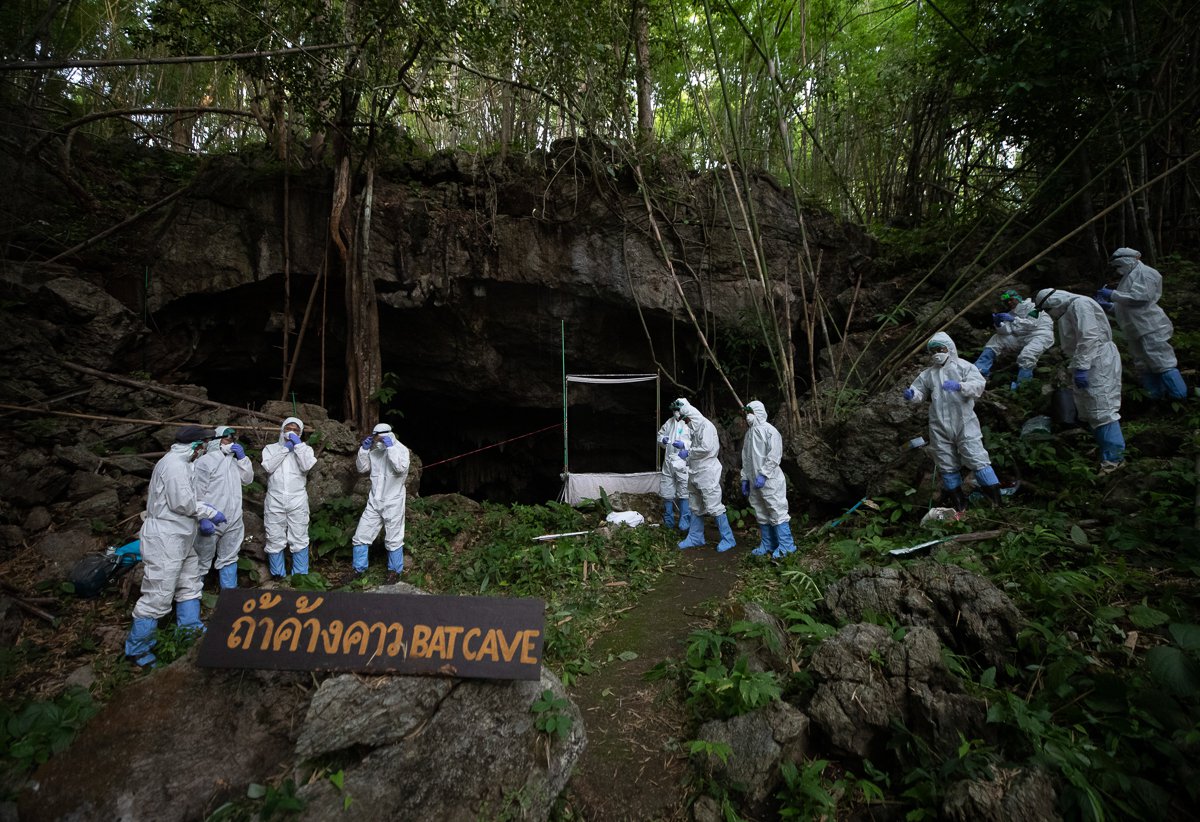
(66, 128)
(53, 65)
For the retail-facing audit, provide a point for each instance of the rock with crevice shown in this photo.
(768, 652)
(1008, 793)
(870, 679)
(437, 749)
(970, 614)
(759, 742)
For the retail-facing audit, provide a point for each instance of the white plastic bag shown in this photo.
(631, 518)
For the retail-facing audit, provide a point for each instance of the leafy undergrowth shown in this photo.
(453, 546)
(1102, 689)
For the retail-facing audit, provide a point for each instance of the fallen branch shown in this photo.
(15, 596)
(166, 392)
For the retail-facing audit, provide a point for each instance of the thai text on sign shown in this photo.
(477, 637)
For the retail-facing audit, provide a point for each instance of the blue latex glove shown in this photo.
(679, 444)
(683, 453)
(207, 528)
(760, 481)
(1104, 295)
(666, 441)
(219, 518)
(909, 393)
(745, 488)
(1002, 317)
(238, 451)
(388, 442)
(291, 440)
(1081, 378)
(1106, 305)
(952, 385)
(367, 443)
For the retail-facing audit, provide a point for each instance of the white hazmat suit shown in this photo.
(218, 477)
(704, 478)
(285, 509)
(952, 384)
(1086, 339)
(1026, 336)
(673, 482)
(168, 535)
(387, 461)
(761, 455)
(1146, 327)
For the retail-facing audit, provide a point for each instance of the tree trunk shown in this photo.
(645, 104)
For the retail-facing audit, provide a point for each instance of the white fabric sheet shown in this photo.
(587, 486)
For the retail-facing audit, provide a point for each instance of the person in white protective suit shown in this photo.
(764, 484)
(218, 476)
(1146, 326)
(1017, 332)
(704, 477)
(168, 535)
(1086, 338)
(952, 384)
(673, 483)
(387, 460)
(285, 509)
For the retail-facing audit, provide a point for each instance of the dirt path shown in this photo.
(634, 765)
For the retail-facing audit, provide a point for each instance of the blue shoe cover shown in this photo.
(726, 534)
(187, 614)
(986, 475)
(360, 558)
(695, 534)
(768, 541)
(300, 561)
(783, 536)
(277, 565)
(1173, 384)
(669, 513)
(685, 514)
(228, 576)
(140, 640)
(984, 363)
(395, 560)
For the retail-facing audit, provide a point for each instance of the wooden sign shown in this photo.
(477, 637)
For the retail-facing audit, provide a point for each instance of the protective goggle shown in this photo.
(1010, 295)
(228, 433)
(935, 347)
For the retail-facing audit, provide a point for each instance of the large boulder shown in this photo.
(437, 748)
(759, 742)
(970, 614)
(173, 746)
(870, 679)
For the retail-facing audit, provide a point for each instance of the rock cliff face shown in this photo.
(483, 270)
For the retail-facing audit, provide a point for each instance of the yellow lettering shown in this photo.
(420, 642)
(527, 657)
(452, 632)
(467, 637)
(508, 650)
(438, 644)
(488, 646)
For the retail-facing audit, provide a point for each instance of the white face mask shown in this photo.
(751, 419)
(940, 357)
(227, 449)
